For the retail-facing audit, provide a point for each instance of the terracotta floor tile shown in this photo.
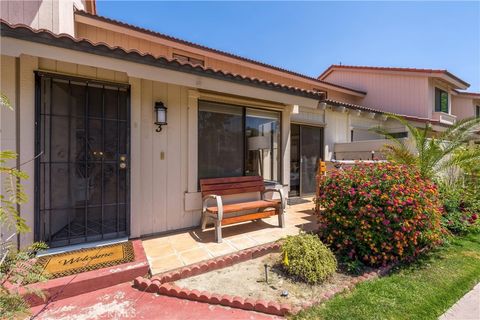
(220, 249)
(175, 250)
(186, 243)
(194, 255)
(165, 263)
(264, 238)
(159, 250)
(241, 243)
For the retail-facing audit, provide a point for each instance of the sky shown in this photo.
(307, 37)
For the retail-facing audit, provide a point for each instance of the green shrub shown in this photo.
(306, 258)
(378, 213)
(461, 208)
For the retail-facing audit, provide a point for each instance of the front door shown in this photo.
(306, 149)
(82, 171)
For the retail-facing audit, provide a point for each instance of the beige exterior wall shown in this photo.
(392, 92)
(54, 15)
(8, 118)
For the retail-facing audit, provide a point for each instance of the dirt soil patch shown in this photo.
(247, 280)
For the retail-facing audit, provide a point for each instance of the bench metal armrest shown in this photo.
(219, 202)
(279, 191)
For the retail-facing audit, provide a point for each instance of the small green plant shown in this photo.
(433, 153)
(19, 269)
(306, 258)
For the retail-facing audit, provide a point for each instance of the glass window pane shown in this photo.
(311, 154)
(444, 102)
(60, 98)
(441, 101)
(294, 160)
(220, 140)
(262, 130)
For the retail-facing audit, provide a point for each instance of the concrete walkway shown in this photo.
(467, 308)
(122, 302)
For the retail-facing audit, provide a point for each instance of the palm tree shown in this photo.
(433, 153)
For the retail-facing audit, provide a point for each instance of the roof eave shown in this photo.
(68, 42)
(333, 86)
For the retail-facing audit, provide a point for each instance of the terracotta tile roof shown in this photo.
(202, 47)
(24, 32)
(374, 110)
(432, 71)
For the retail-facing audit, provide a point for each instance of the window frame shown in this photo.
(477, 111)
(438, 103)
(245, 142)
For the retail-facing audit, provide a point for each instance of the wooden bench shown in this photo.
(220, 214)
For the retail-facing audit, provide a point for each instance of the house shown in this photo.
(424, 93)
(115, 124)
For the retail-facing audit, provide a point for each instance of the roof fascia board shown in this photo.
(99, 22)
(16, 47)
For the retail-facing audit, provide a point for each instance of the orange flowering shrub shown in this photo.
(378, 213)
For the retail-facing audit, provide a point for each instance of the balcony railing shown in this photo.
(444, 117)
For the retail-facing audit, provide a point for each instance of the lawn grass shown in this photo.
(422, 290)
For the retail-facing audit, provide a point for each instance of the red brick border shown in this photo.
(162, 284)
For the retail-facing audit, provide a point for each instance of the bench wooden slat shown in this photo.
(226, 192)
(234, 207)
(249, 217)
(230, 180)
(239, 185)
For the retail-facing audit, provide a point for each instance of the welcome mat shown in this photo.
(77, 261)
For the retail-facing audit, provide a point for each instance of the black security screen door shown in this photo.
(82, 173)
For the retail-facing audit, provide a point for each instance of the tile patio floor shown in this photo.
(173, 251)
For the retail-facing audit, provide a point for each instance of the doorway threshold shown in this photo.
(79, 246)
(299, 200)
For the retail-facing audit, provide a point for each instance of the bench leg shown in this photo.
(218, 231)
(281, 218)
(204, 221)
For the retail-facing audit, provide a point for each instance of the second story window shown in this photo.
(185, 58)
(441, 101)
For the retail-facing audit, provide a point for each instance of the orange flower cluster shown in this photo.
(378, 213)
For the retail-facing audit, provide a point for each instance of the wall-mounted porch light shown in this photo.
(160, 115)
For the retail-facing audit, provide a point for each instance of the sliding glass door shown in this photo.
(236, 141)
(306, 150)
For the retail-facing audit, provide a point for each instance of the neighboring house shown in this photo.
(87, 89)
(466, 104)
(429, 94)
